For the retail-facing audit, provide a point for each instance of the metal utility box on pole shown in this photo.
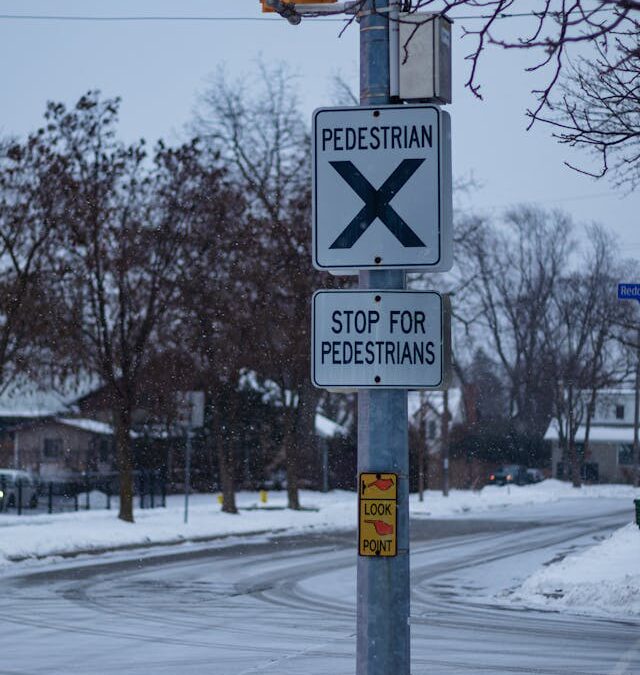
(425, 58)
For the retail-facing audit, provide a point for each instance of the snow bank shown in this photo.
(497, 497)
(604, 579)
(40, 536)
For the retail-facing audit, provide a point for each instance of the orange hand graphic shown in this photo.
(382, 528)
(382, 483)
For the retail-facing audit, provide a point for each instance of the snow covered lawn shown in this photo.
(604, 579)
(31, 537)
(493, 498)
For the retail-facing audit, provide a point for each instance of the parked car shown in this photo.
(10, 482)
(535, 475)
(509, 474)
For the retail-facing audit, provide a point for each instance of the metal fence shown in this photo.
(80, 493)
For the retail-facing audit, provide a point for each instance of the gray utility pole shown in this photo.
(383, 586)
(636, 417)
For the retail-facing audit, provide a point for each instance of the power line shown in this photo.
(141, 18)
(543, 200)
(68, 17)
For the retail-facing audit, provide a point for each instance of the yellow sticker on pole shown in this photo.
(378, 514)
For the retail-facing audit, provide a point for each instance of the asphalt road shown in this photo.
(286, 607)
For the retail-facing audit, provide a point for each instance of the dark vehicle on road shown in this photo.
(510, 474)
(535, 475)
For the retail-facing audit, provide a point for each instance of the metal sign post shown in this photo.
(383, 587)
(190, 405)
(382, 205)
(632, 292)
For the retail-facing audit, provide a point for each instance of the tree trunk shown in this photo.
(573, 453)
(293, 495)
(574, 462)
(225, 464)
(124, 453)
(224, 448)
(302, 439)
(591, 409)
(291, 459)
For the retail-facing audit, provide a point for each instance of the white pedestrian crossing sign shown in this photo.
(382, 188)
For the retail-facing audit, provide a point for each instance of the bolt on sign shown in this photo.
(382, 189)
(378, 522)
(379, 339)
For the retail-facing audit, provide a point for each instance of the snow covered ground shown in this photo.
(604, 578)
(42, 535)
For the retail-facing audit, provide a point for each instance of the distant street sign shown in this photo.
(190, 409)
(379, 339)
(378, 521)
(629, 292)
(382, 188)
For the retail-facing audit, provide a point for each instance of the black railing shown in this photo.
(86, 492)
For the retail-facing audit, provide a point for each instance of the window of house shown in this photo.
(52, 447)
(432, 429)
(625, 454)
(104, 451)
(619, 412)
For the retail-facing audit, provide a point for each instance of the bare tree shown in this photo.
(217, 299)
(119, 259)
(599, 105)
(517, 269)
(30, 214)
(599, 109)
(578, 328)
(261, 133)
(551, 29)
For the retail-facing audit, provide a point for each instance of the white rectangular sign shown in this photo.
(190, 409)
(378, 339)
(382, 195)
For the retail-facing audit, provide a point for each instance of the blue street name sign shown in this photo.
(629, 292)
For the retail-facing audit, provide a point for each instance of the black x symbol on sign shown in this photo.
(376, 204)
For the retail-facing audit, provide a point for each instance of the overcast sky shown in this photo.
(157, 67)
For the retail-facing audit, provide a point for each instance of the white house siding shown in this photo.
(604, 444)
(79, 450)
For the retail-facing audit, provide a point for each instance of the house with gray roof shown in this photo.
(608, 456)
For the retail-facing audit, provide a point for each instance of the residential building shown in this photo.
(57, 448)
(608, 457)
